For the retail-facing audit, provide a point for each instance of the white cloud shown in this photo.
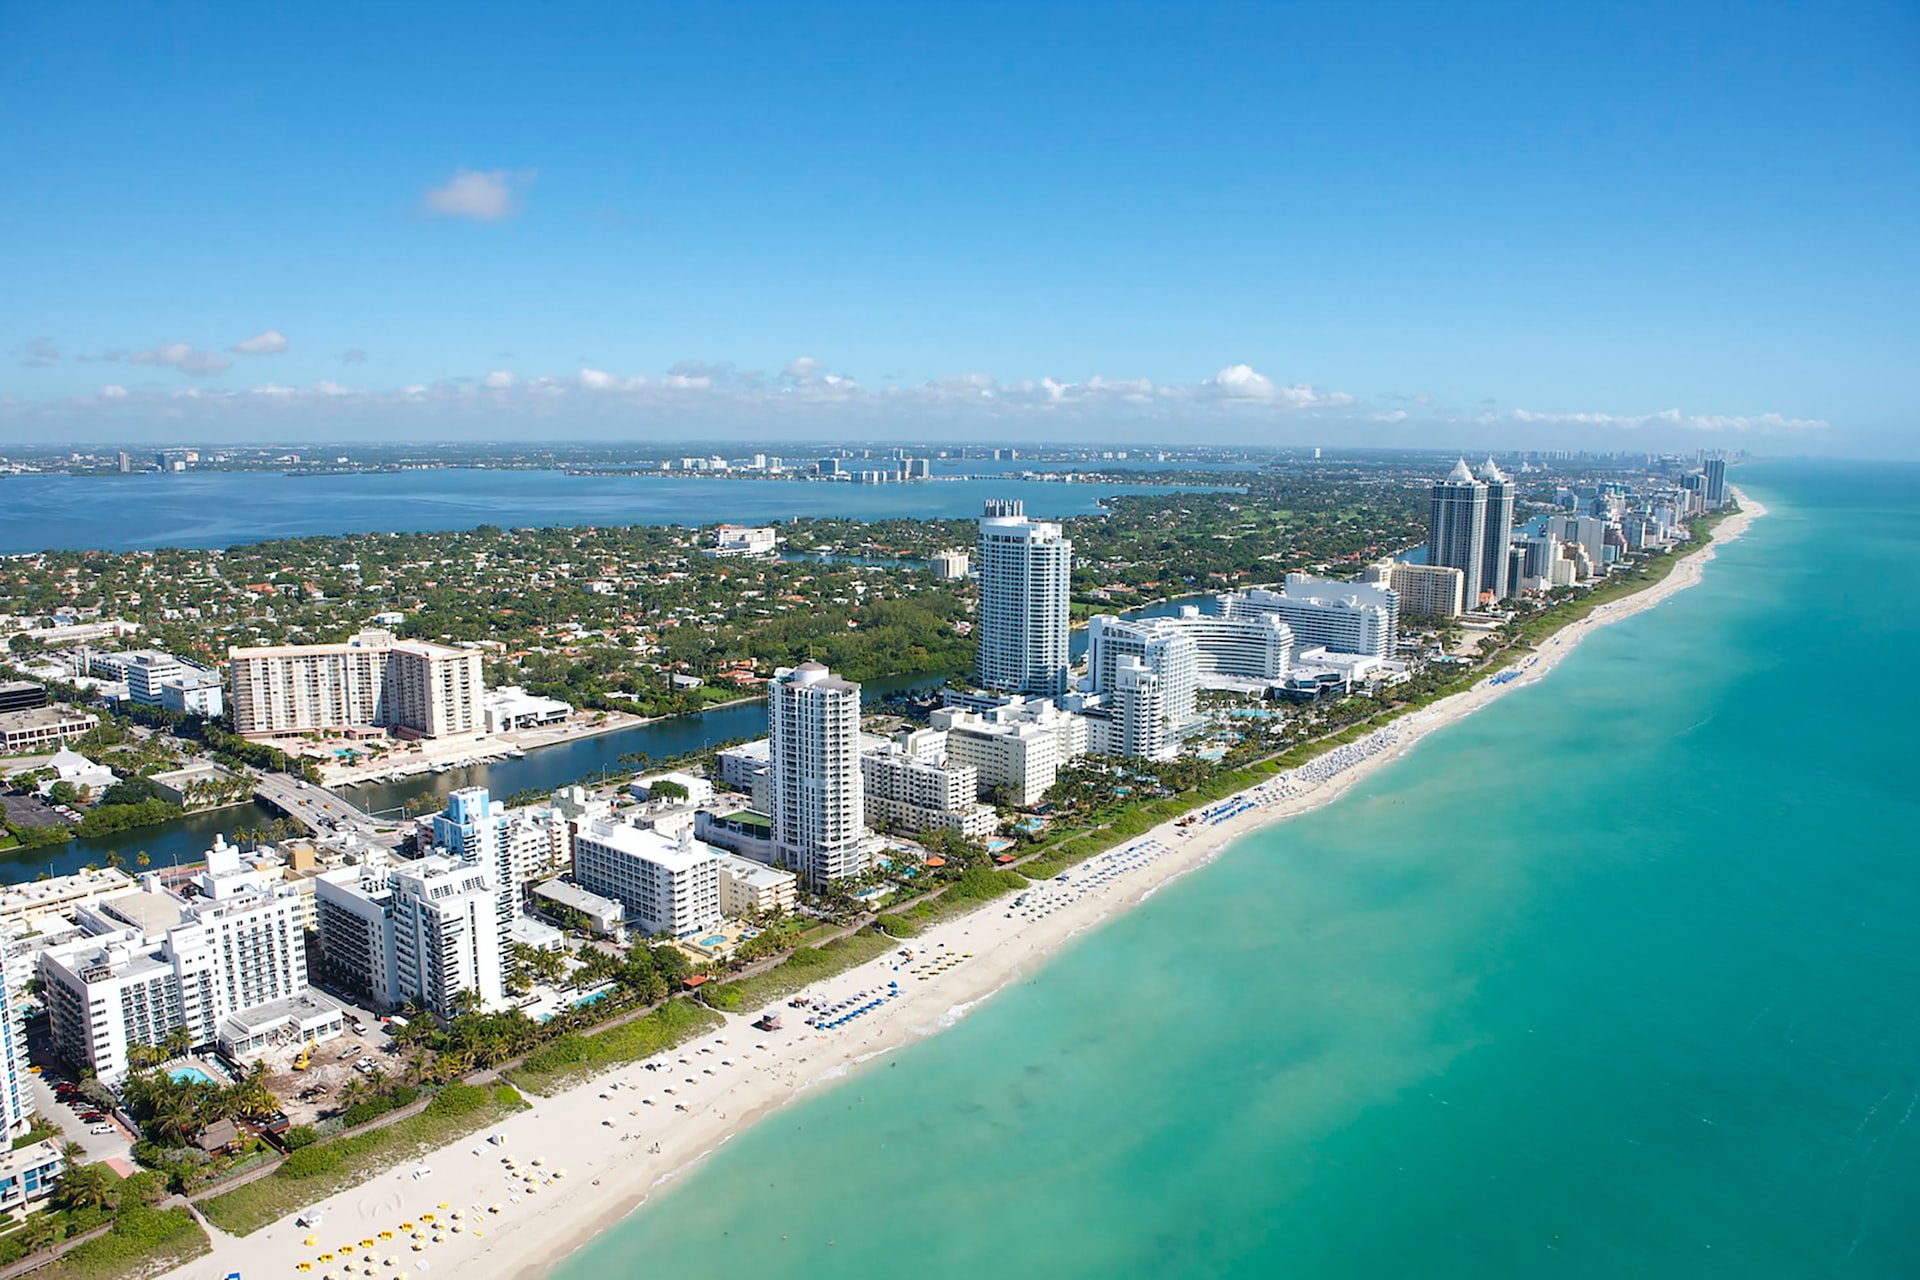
(184, 357)
(479, 196)
(268, 342)
(1241, 383)
(805, 396)
(598, 380)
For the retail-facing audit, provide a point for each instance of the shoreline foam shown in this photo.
(611, 1170)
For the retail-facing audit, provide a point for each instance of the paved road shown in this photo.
(313, 807)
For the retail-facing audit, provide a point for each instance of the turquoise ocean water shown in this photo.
(1618, 978)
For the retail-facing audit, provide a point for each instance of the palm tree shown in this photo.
(87, 1186)
(143, 859)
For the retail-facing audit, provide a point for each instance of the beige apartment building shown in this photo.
(372, 680)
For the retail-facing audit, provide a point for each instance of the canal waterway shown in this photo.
(186, 839)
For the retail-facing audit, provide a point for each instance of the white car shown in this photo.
(101, 1128)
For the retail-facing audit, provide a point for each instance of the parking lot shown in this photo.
(116, 1143)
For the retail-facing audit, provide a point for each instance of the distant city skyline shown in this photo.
(1467, 226)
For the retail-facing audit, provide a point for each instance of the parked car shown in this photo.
(102, 1128)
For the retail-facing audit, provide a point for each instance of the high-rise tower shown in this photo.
(1026, 573)
(1499, 532)
(813, 723)
(1457, 528)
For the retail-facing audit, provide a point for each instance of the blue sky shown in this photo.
(1515, 224)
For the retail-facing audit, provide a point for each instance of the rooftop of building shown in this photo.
(308, 1007)
(151, 911)
(32, 893)
(675, 854)
(757, 874)
(572, 895)
(359, 642)
(815, 675)
(41, 717)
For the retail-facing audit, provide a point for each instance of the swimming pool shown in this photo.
(717, 940)
(189, 1075)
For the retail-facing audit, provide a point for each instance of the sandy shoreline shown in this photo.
(621, 1135)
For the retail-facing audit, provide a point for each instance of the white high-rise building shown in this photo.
(1017, 749)
(1143, 724)
(16, 1097)
(1121, 656)
(813, 723)
(1345, 617)
(912, 786)
(156, 962)
(1026, 574)
(421, 931)
(446, 934)
(1457, 528)
(669, 884)
(429, 690)
(1498, 533)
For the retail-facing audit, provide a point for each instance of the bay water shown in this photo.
(222, 508)
(1618, 977)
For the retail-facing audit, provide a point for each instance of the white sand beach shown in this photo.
(584, 1158)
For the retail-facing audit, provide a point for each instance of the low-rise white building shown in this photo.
(37, 728)
(749, 888)
(510, 707)
(697, 791)
(29, 1174)
(950, 565)
(194, 693)
(743, 540)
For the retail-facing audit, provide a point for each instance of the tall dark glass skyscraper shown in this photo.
(1457, 528)
(1494, 576)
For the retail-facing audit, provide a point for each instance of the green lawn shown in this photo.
(313, 1173)
(143, 1242)
(805, 966)
(574, 1057)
